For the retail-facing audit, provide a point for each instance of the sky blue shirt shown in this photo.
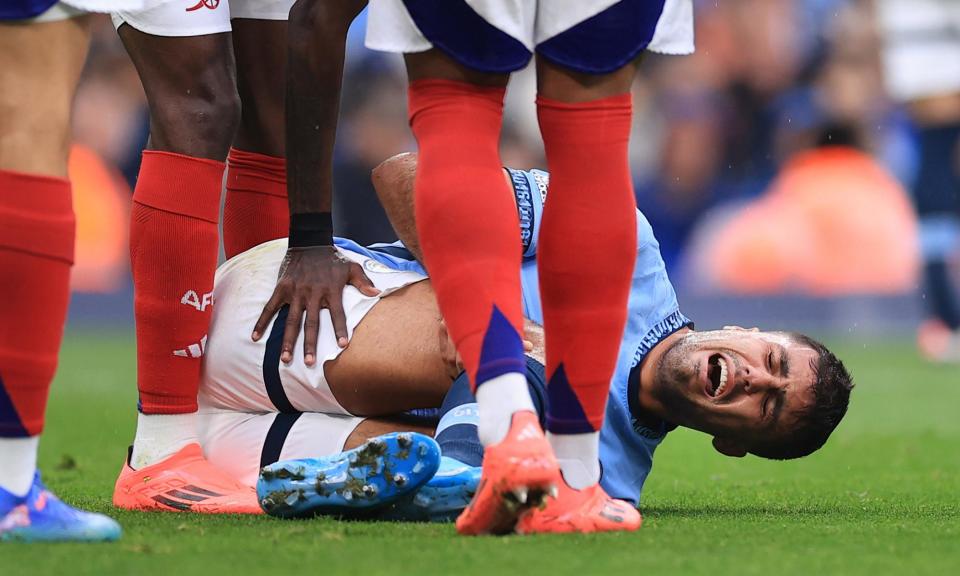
(626, 446)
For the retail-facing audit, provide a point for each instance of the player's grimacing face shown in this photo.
(736, 383)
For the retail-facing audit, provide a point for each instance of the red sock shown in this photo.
(467, 223)
(37, 229)
(588, 247)
(173, 256)
(255, 210)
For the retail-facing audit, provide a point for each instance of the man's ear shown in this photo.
(729, 447)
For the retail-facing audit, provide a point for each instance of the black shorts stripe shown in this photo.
(276, 437)
(172, 503)
(271, 364)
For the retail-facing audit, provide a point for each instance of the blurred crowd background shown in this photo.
(775, 164)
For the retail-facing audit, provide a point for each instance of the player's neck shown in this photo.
(648, 371)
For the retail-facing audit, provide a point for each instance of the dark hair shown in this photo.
(831, 392)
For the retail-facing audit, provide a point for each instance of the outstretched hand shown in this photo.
(312, 279)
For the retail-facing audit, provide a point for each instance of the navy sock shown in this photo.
(457, 430)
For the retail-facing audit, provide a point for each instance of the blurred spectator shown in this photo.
(922, 65)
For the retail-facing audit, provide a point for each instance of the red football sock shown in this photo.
(467, 223)
(255, 210)
(173, 257)
(37, 228)
(588, 246)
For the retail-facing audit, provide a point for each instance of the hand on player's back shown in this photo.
(312, 279)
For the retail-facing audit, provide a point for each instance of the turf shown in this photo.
(881, 498)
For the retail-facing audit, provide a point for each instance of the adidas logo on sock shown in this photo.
(194, 350)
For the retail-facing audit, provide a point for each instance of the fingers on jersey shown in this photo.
(173, 256)
(37, 229)
(255, 209)
(587, 252)
(467, 223)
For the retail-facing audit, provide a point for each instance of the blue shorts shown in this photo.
(24, 9)
(500, 36)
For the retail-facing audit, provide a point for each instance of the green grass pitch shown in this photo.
(882, 498)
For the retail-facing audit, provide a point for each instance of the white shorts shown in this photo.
(416, 25)
(921, 55)
(198, 17)
(241, 444)
(246, 376)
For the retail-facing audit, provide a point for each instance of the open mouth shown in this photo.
(719, 375)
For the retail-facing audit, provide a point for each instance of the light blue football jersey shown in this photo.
(626, 447)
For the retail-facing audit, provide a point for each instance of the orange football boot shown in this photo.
(184, 482)
(519, 472)
(584, 511)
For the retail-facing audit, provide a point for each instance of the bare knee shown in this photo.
(312, 15)
(191, 88)
(200, 121)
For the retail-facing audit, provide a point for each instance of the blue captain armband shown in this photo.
(530, 189)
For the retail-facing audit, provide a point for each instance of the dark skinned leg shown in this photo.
(260, 47)
(190, 86)
(255, 210)
(190, 83)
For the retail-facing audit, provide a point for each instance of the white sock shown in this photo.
(579, 458)
(498, 399)
(160, 436)
(18, 462)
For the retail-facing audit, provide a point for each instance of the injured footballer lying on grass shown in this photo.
(350, 435)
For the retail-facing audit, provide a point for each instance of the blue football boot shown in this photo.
(350, 484)
(442, 499)
(42, 517)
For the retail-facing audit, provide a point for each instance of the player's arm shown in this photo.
(393, 180)
(313, 273)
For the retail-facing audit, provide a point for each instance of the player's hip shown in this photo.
(240, 374)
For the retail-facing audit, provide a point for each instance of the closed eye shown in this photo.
(770, 361)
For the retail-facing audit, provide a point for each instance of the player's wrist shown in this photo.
(311, 229)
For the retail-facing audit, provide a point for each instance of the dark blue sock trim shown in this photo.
(10, 424)
(491, 370)
(502, 349)
(566, 415)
